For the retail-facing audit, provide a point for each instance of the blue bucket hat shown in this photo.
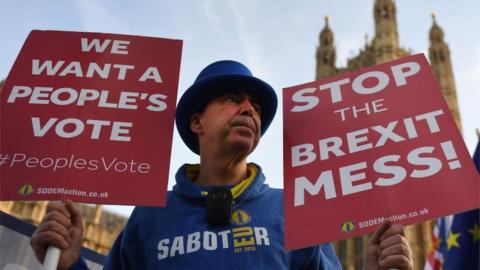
(215, 80)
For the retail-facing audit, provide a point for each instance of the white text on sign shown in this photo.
(308, 99)
(67, 96)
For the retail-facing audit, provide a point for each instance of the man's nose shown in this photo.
(246, 107)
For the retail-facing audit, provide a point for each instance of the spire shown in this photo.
(326, 36)
(436, 32)
(438, 48)
(325, 52)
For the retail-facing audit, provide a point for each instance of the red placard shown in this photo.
(89, 117)
(374, 144)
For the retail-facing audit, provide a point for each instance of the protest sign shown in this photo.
(89, 117)
(365, 146)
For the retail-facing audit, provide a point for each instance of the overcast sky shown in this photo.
(277, 39)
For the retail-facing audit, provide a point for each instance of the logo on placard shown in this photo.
(348, 226)
(240, 217)
(25, 189)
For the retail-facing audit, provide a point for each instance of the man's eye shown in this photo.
(256, 107)
(232, 99)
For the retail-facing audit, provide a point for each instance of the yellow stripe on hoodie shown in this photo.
(194, 169)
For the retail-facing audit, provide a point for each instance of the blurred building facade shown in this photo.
(383, 47)
(100, 227)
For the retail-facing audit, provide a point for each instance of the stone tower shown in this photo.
(385, 42)
(384, 47)
(326, 52)
(439, 55)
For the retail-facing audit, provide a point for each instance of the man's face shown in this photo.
(229, 122)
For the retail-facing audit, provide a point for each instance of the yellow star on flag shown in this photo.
(475, 233)
(453, 240)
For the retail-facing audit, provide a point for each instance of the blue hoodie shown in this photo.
(179, 236)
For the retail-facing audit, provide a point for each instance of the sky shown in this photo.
(276, 39)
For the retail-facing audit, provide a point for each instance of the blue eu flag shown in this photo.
(462, 244)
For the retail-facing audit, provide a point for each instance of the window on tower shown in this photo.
(326, 58)
(442, 56)
(384, 12)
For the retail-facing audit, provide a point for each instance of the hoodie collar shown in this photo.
(251, 187)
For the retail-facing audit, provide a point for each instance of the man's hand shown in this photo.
(388, 248)
(61, 227)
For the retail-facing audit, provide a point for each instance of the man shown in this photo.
(220, 214)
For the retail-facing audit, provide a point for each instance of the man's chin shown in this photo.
(244, 131)
(244, 144)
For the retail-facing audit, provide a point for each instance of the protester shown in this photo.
(220, 214)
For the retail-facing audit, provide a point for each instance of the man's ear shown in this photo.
(195, 124)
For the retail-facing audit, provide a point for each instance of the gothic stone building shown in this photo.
(100, 228)
(382, 48)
